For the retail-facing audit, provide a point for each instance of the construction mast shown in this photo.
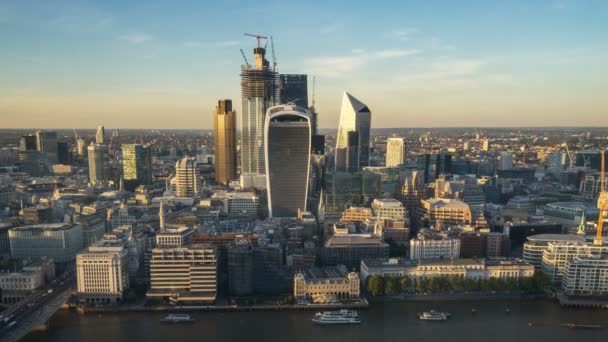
(602, 203)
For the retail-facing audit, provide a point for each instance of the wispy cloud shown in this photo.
(337, 66)
(328, 29)
(403, 34)
(136, 38)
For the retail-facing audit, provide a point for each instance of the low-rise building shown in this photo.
(59, 241)
(434, 246)
(184, 274)
(326, 285)
(503, 268)
(348, 250)
(437, 212)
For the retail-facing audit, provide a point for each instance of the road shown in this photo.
(36, 309)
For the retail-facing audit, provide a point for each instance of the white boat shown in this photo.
(342, 313)
(433, 316)
(336, 317)
(177, 318)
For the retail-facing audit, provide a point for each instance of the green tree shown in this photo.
(375, 285)
(406, 284)
(390, 286)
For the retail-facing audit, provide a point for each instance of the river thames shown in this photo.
(395, 321)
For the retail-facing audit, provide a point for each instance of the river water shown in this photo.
(395, 321)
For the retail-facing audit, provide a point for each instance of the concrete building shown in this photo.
(15, 286)
(326, 285)
(240, 268)
(287, 157)
(506, 161)
(187, 178)
(102, 272)
(535, 246)
(235, 202)
(434, 246)
(174, 237)
(586, 276)
(184, 274)
(356, 214)
(59, 241)
(348, 250)
(100, 135)
(395, 152)
(558, 253)
(445, 212)
(389, 208)
(502, 268)
(46, 143)
(224, 124)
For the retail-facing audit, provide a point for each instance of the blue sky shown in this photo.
(157, 64)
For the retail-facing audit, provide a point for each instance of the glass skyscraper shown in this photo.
(224, 123)
(354, 117)
(294, 88)
(136, 165)
(287, 152)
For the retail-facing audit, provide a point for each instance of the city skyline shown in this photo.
(422, 65)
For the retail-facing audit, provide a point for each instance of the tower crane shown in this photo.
(565, 145)
(602, 203)
(245, 58)
(256, 36)
(274, 59)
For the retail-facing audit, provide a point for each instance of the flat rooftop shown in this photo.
(556, 237)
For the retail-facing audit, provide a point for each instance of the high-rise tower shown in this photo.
(99, 164)
(100, 136)
(187, 177)
(294, 89)
(259, 91)
(287, 156)
(224, 124)
(137, 165)
(395, 152)
(354, 117)
(46, 142)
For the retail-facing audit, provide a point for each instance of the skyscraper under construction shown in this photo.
(260, 91)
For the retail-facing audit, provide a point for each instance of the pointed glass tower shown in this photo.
(355, 116)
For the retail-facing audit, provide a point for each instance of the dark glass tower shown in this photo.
(287, 155)
(294, 88)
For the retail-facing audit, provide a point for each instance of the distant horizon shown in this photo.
(108, 129)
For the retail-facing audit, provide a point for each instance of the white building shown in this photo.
(558, 253)
(427, 247)
(586, 276)
(238, 202)
(506, 161)
(502, 268)
(184, 274)
(173, 237)
(536, 245)
(187, 178)
(389, 208)
(395, 152)
(102, 272)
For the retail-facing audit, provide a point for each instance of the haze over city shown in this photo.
(417, 64)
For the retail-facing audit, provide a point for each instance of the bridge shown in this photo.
(35, 310)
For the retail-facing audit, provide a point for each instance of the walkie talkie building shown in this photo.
(287, 154)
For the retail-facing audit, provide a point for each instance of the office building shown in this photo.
(535, 246)
(81, 147)
(46, 143)
(348, 250)
(187, 178)
(224, 124)
(352, 152)
(318, 143)
(59, 241)
(294, 89)
(100, 135)
(240, 268)
(136, 165)
(506, 161)
(389, 208)
(238, 202)
(354, 117)
(260, 91)
(557, 254)
(173, 237)
(502, 268)
(184, 274)
(99, 164)
(432, 166)
(444, 212)
(486, 145)
(434, 246)
(395, 152)
(102, 272)
(326, 285)
(586, 276)
(287, 156)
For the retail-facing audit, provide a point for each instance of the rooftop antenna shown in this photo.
(313, 91)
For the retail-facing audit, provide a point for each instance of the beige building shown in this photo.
(102, 272)
(326, 285)
(224, 123)
(356, 214)
(445, 212)
(557, 254)
(395, 152)
(586, 276)
(187, 174)
(184, 273)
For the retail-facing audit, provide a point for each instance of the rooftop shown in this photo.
(46, 226)
(556, 237)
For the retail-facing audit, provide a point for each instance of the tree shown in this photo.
(406, 283)
(375, 285)
(390, 286)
